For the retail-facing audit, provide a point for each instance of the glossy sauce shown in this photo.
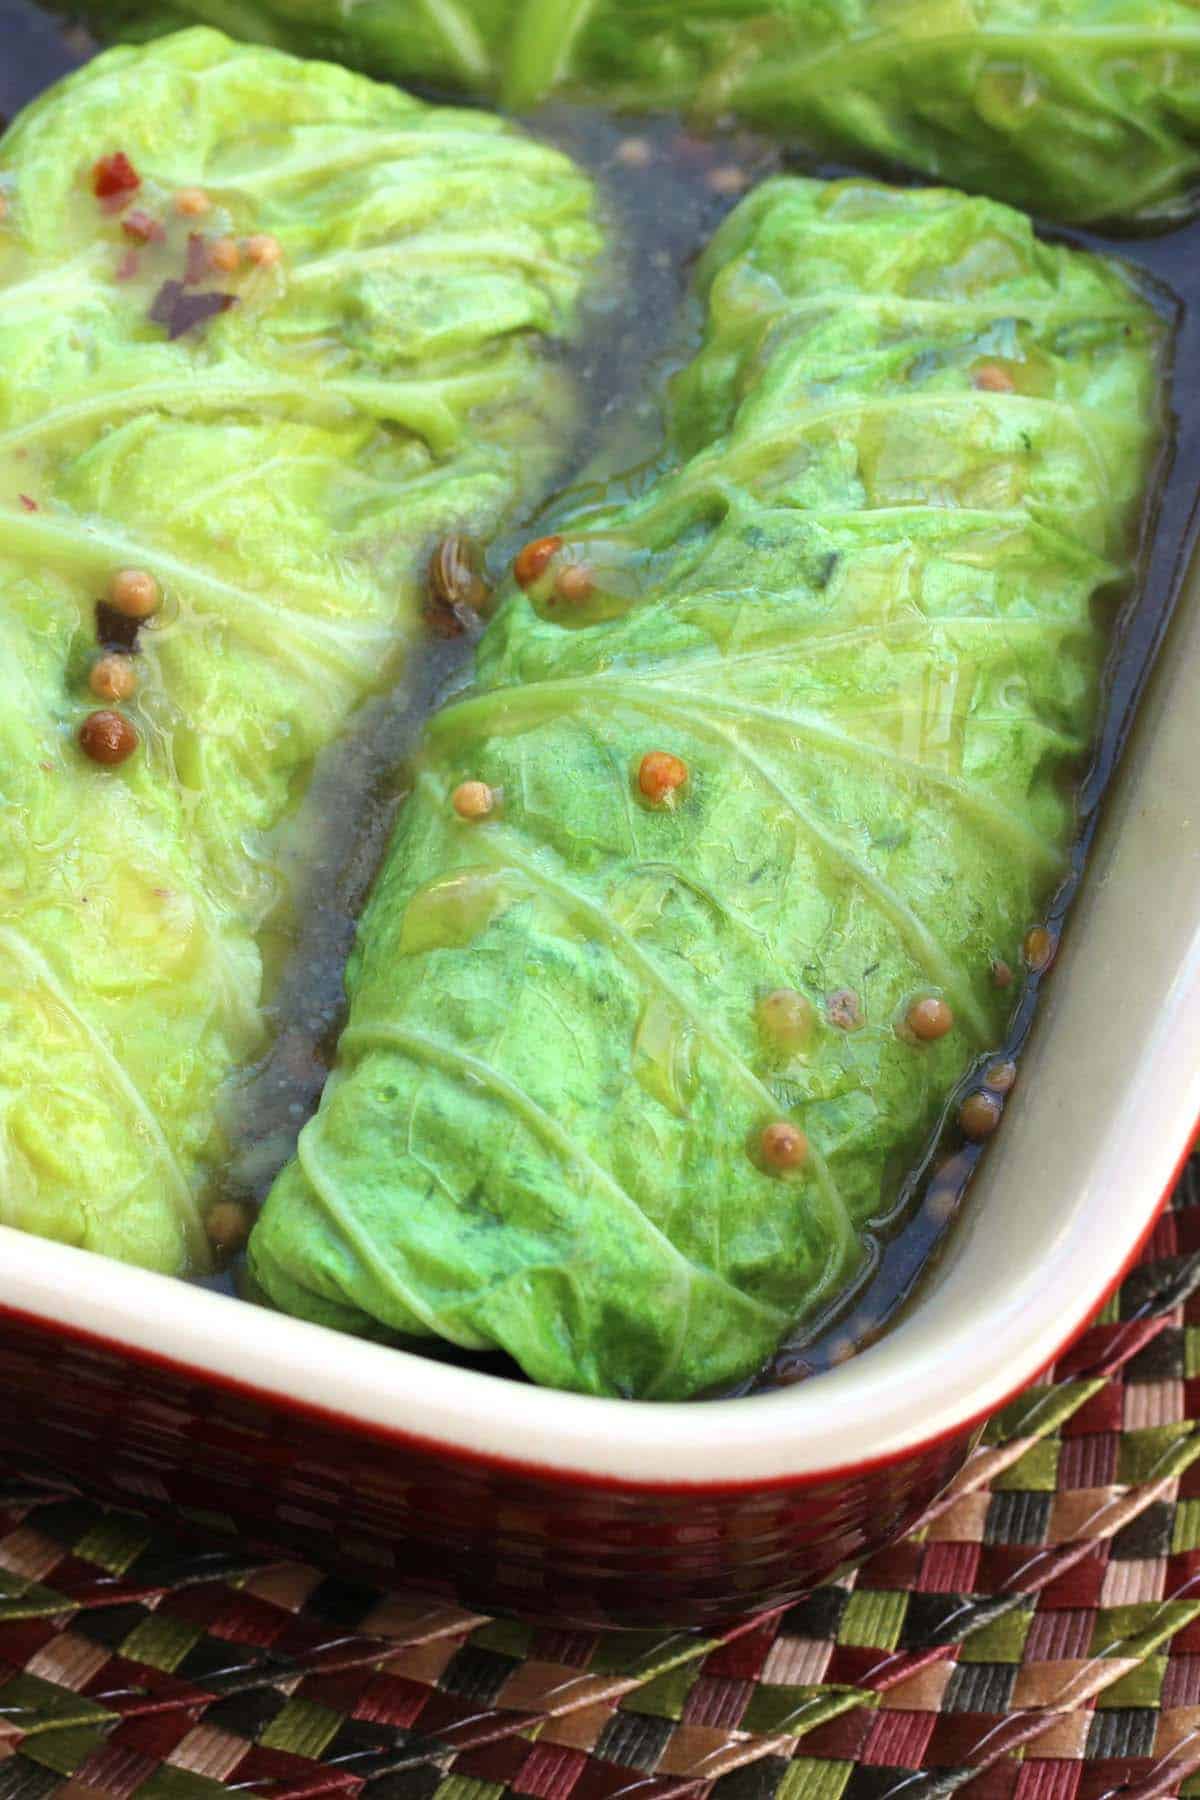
(666, 190)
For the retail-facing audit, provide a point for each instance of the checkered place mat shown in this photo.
(1036, 1638)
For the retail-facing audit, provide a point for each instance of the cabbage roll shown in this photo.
(266, 331)
(1078, 109)
(765, 771)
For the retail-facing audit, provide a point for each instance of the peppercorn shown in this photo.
(108, 738)
(192, 203)
(113, 678)
(224, 255)
(531, 562)
(660, 776)
(634, 152)
(929, 1019)
(979, 1115)
(575, 583)
(473, 800)
(943, 1195)
(1038, 948)
(228, 1226)
(134, 593)
(1000, 1077)
(783, 1145)
(455, 584)
(264, 250)
(786, 1016)
(843, 1008)
(727, 179)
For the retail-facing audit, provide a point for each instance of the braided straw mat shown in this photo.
(1037, 1638)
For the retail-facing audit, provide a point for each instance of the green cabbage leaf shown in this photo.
(1077, 109)
(282, 467)
(856, 596)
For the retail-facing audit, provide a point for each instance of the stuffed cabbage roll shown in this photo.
(1077, 109)
(695, 918)
(266, 331)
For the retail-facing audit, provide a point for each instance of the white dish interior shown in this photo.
(1108, 1098)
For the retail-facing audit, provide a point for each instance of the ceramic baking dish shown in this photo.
(175, 1398)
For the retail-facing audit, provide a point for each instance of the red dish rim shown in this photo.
(566, 1478)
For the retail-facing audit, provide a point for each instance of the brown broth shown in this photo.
(666, 190)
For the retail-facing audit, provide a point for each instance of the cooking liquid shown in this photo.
(666, 189)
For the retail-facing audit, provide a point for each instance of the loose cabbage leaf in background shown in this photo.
(855, 597)
(282, 469)
(1078, 109)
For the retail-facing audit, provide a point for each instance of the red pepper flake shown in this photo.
(143, 227)
(198, 268)
(128, 266)
(180, 311)
(114, 178)
(27, 503)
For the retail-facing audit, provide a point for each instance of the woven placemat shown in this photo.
(1038, 1637)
